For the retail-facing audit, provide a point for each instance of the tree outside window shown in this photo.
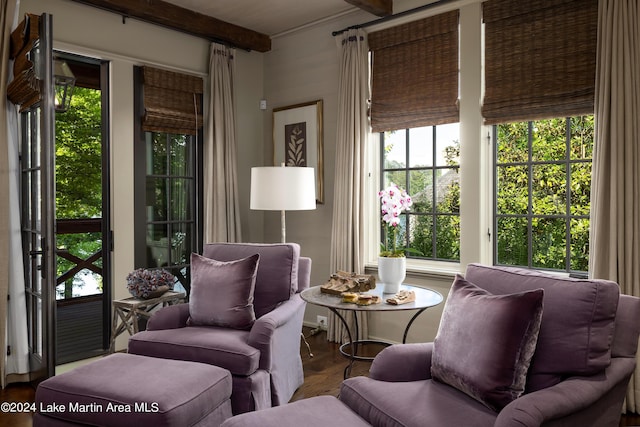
(542, 193)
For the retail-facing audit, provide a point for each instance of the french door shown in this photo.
(38, 209)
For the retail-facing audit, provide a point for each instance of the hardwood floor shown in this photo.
(21, 393)
(323, 374)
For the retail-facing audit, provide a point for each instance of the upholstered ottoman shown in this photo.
(130, 390)
(320, 411)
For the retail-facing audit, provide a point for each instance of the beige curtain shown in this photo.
(221, 209)
(347, 231)
(8, 10)
(615, 189)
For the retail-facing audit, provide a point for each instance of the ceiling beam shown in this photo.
(380, 8)
(187, 21)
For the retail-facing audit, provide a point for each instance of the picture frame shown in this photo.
(298, 139)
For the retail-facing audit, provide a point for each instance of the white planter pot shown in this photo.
(392, 272)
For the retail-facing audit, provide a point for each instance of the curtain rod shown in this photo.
(392, 17)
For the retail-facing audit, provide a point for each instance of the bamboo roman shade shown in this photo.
(415, 74)
(540, 59)
(24, 89)
(172, 102)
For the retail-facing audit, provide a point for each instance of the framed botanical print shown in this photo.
(297, 139)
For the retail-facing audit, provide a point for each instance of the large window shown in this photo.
(523, 193)
(542, 193)
(426, 161)
(168, 180)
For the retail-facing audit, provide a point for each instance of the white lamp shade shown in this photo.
(275, 188)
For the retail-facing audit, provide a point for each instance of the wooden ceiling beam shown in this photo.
(380, 8)
(187, 21)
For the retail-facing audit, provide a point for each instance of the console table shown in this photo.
(127, 312)
(425, 298)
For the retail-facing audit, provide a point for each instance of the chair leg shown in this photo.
(306, 343)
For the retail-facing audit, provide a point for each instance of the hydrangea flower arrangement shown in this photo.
(144, 283)
(394, 201)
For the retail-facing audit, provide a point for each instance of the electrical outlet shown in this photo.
(322, 322)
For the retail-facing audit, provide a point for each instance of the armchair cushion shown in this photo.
(222, 292)
(586, 309)
(485, 342)
(226, 348)
(413, 403)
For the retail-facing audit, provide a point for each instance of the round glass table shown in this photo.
(425, 298)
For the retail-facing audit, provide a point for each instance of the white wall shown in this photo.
(96, 33)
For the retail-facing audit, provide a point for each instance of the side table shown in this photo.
(425, 298)
(128, 311)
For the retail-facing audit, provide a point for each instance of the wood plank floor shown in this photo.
(323, 375)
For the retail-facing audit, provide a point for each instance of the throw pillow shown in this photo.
(485, 342)
(222, 292)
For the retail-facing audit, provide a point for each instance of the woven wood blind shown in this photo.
(415, 74)
(172, 102)
(540, 59)
(24, 89)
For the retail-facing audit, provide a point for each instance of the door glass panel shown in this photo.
(181, 199)
(180, 158)
(157, 245)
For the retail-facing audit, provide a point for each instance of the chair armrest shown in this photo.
(570, 396)
(403, 362)
(278, 331)
(170, 317)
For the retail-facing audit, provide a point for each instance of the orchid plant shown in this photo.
(394, 201)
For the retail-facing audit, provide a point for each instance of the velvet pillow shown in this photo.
(485, 342)
(222, 292)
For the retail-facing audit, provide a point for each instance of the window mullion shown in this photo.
(434, 216)
(568, 194)
(530, 195)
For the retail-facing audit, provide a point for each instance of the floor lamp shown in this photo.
(280, 188)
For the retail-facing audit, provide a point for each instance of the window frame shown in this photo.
(433, 169)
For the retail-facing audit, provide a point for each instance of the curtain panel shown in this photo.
(415, 73)
(13, 317)
(540, 59)
(615, 186)
(347, 231)
(221, 205)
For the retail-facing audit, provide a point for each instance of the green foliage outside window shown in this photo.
(542, 195)
(79, 178)
(543, 183)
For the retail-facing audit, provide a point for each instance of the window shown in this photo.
(170, 203)
(168, 181)
(498, 73)
(542, 192)
(426, 161)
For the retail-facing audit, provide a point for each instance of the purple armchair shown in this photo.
(265, 360)
(578, 376)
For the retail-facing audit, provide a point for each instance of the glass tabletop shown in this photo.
(424, 298)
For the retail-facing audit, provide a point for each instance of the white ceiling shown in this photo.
(270, 17)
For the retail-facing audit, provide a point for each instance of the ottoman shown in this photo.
(129, 390)
(320, 411)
